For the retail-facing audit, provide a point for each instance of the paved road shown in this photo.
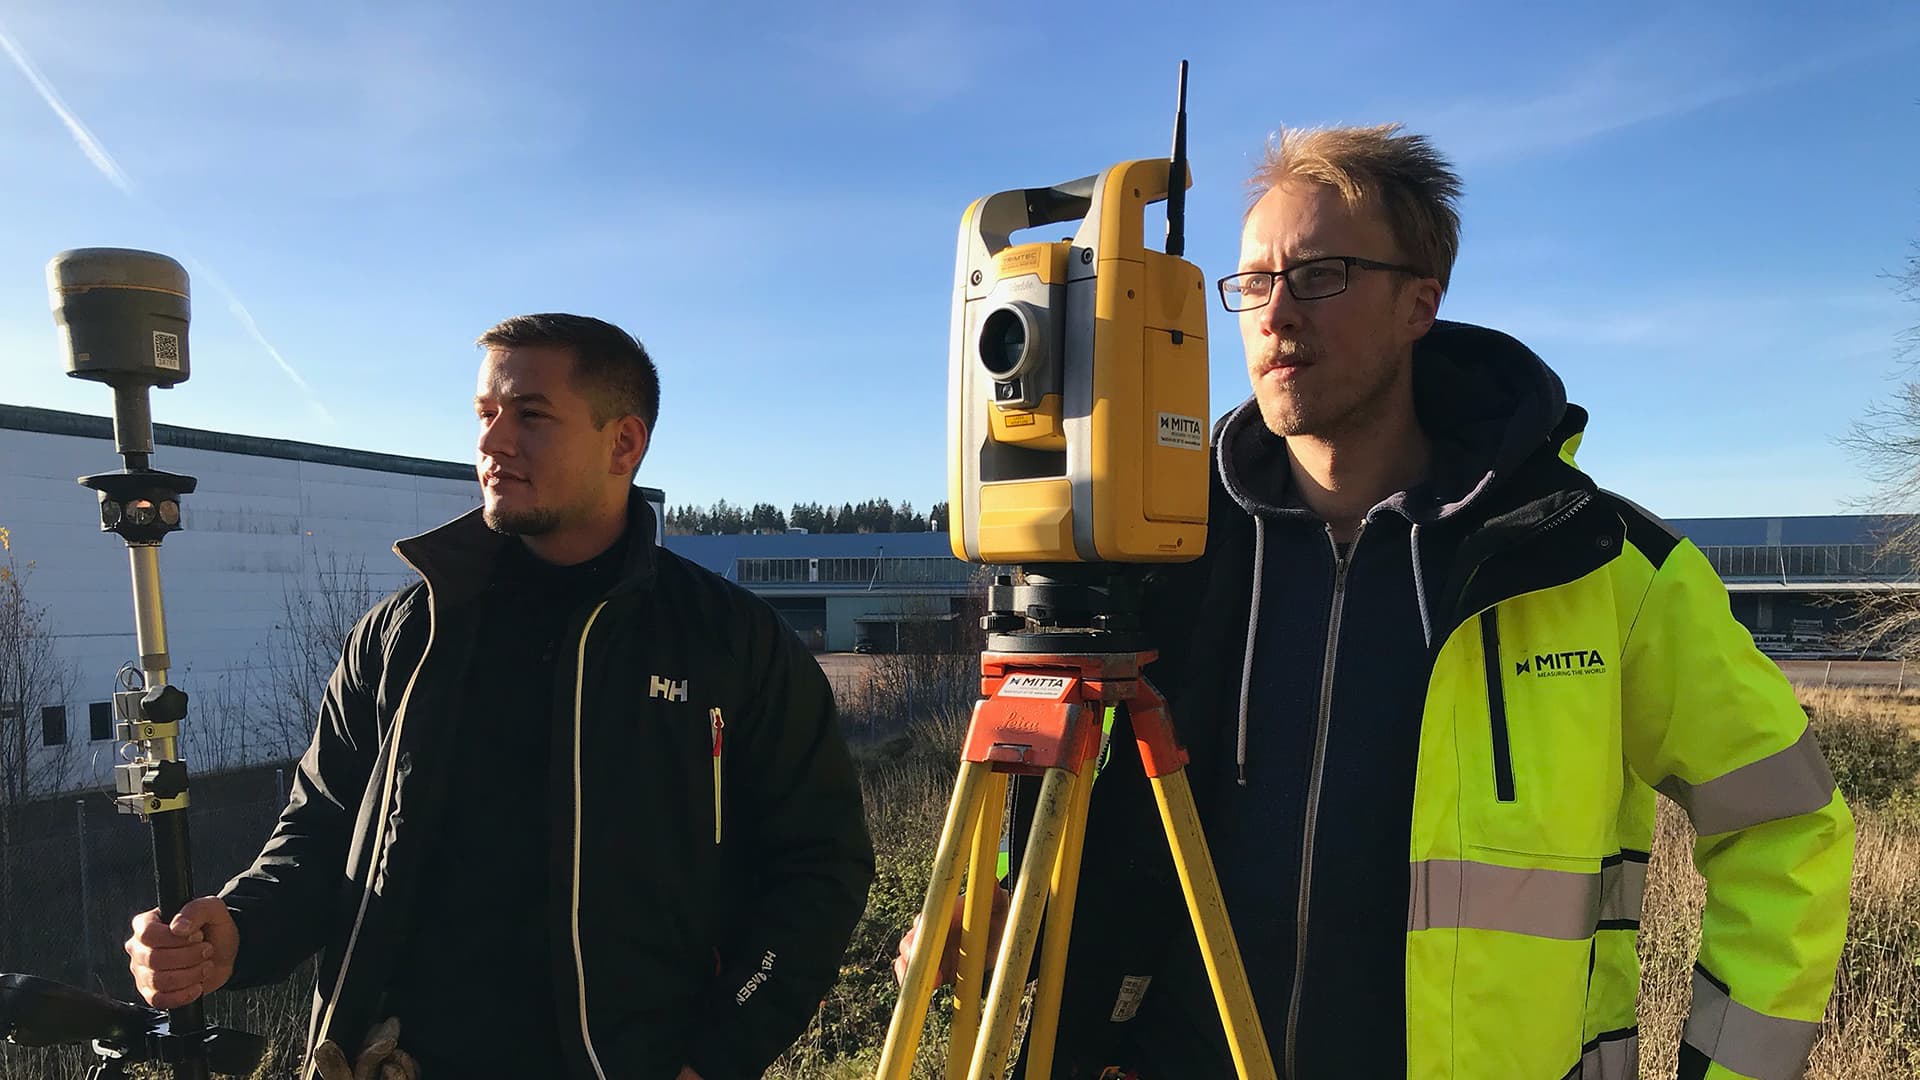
(849, 670)
(846, 671)
(1850, 673)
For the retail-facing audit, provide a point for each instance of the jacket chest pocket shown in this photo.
(655, 740)
(1540, 747)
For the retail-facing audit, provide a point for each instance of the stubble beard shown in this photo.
(1288, 413)
(537, 522)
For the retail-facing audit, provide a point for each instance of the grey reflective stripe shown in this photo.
(1748, 1042)
(1794, 781)
(1613, 1056)
(1481, 896)
(1623, 886)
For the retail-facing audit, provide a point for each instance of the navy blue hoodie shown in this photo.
(1303, 736)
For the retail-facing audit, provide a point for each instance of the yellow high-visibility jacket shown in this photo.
(1529, 848)
(1583, 657)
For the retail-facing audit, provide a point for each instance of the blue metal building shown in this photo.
(1789, 577)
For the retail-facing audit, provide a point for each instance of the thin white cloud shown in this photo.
(89, 145)
(906, 61)
(103, 162)
(245, 317)
(372, 100)
(1850, 325)
(1658, 76)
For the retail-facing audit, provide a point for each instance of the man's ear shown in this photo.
(1423, 307)
(630, 441)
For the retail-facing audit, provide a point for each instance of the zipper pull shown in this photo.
(717, 724)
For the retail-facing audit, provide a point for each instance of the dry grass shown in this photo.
(1872, 1030)
(1872, 1027)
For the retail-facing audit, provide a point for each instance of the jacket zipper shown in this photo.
(579, 958)
(1497, 706)
(317, 1033)
(1558, 518)
(718, 725)
(1565, 515)
(1503, 784)
(1341, 563)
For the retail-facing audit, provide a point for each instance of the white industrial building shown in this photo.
(270, 519)
(273, 520)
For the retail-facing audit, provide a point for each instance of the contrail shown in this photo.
(90, 145)
(240, 312)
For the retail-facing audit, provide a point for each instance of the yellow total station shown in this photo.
(1077, 380)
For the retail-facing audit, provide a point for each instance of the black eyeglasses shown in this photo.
(1315, 279)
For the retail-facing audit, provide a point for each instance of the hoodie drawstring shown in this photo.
(1253, 621)
(1420, 587)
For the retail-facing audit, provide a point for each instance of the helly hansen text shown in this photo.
(663, 687)
(765, 973)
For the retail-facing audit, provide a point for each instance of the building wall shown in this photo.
(843, 611)
(807, 615)
(269, 520)
(269, 516)
(256, 529)
(1789, 623)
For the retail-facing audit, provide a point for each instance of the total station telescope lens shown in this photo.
(1003, 342)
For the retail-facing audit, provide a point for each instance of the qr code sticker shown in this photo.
(166, 350)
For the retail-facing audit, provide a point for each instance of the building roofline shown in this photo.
(81, 425)
(1816, 587)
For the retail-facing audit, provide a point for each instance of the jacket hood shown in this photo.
(1486, 402)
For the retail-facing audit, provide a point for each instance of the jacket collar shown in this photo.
(457, 559)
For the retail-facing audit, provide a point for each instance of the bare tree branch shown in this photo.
(32, 677)
(1886, 442)
(300, 652)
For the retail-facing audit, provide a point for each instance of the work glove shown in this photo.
(380, 1057)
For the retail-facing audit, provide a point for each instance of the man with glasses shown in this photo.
(1431, 677)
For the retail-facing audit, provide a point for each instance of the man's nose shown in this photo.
(496, 438)
(1282, 313)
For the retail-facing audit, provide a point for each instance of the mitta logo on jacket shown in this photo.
(1556, 664)
(663, 687)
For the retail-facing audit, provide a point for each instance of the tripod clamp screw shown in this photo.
(147, 785)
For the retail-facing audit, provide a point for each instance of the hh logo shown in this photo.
(663, 687)
(1571, 662)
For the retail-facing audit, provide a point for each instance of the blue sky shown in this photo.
(1689, 214)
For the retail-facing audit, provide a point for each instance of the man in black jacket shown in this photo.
(574, 804)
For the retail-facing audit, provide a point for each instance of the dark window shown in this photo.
(53, 725)
(100, 718)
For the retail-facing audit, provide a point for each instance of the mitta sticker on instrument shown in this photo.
(1048, 687)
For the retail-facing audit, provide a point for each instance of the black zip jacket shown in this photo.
(708, 850)
(1303, 743)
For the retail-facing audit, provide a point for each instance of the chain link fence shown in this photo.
(73, 874)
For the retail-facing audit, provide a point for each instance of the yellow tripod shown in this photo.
(1042, 716)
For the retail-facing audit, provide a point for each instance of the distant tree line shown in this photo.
(871, 516)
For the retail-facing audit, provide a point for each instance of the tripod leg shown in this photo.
(910, 1013)
(1251, 1057)
(975, 920)
(1023, 925)
(1053, 957)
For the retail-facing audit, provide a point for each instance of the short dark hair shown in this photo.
(611, 368)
